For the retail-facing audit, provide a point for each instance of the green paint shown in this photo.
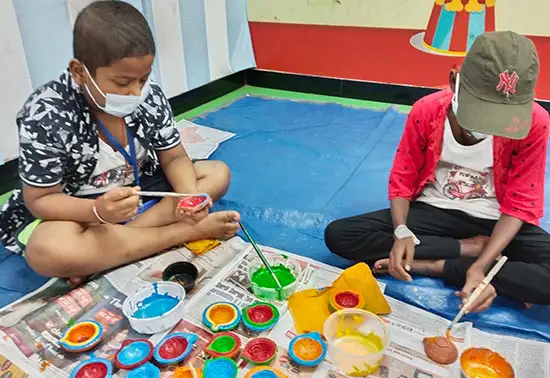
(223, 344)
(263, 278)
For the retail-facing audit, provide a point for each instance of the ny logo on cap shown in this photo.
(508, 82)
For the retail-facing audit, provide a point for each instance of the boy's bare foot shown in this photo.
(219, 225)
(473, 247)
(432, 268)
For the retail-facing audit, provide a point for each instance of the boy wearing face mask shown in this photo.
(89, 141)
(467, 183)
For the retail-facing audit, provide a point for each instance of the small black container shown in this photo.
(182, 272)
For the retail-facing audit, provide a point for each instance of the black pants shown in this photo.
(369, 237)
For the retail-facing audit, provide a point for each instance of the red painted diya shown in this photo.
(260, 316)
(223, 344)
(194, 202)
(342, 299)
(174, 348)
(93, 368)
(260, 351)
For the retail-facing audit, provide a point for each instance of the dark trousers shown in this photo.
(369, 237)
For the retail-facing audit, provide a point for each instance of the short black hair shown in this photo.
(110, 30)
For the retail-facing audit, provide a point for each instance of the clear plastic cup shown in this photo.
(274, 294)
(357, 340)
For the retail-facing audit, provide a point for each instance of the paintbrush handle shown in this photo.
(167, 194)
(479, 289)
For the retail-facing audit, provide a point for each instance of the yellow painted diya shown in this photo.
(484, 363)
(221, 316)
(342, 299)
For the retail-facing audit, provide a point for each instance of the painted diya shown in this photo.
(308, 350)
(342, 299)
(193, 202)
(174, 348)
(81, 337)
(133, 354)
(264, 372)
(260, 316)
(224, 344)
(221, 316)
(185, 372)
(260, 351)
(147, 370)
(93, 368)
(440, 349)
(483, 362)
(222, 367)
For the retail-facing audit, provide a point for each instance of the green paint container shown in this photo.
(263, 285)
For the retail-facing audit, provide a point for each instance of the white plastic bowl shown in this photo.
(156, 324)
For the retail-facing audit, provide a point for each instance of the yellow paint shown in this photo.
(454, 6)
(473, 6)
(528, 17)
(358, 344)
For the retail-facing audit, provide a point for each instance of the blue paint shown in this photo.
(476, 26)
(265, 374)
(147, 370)
(155, 305)
(442, 38)
(220, 368)
(135, 352)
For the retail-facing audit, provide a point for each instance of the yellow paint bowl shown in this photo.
(356, 341)
(484, 363)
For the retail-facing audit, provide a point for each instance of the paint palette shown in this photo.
(147, 370)
(308, 350)
(93, 368)
(260, 351)
(81, 337)
(224, 344)
(155, 308)
(174, 348)
(222, 367)
(342, 299)
(133, 354)
(221, 316)
(194, 203)
(260, 316)
(264, 372)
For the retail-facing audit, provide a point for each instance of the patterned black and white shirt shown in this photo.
(58, 143)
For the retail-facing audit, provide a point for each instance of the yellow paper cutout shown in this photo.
(200, 247)
(310, 308)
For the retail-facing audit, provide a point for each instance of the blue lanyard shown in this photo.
(132, 157)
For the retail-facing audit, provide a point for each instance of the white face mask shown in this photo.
(454, 103)
(119, 105)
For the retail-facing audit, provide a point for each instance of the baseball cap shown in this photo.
(497, 85)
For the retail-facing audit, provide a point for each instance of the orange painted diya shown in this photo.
(342, 299)
(308, 350)
(81, 337)
(484, 363)
(185, 372)
(221, 316)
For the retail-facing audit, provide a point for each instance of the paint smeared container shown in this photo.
(260, 351)
(222, 367)
(155, 308)
(260, 316)
(93, 368)
(483, 362)
(174, 348)
(263, 285)
(308, 350)
(356, 340)
(81, 337)
(223, 344)
(183, 273)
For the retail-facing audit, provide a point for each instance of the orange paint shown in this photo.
(484, 363)
(185, 372)
(44, 365)
(81, 334)
(307, 349)
(221, 314)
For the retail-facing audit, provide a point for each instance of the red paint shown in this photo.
(432, 24)
(173, 347)
(260, 314)
(190, 202)
(259, 350)
(347, 299)
(365, 54)
(459, 39)
(92, 370)
(490, 19)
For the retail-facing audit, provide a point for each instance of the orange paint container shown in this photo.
(484, 363)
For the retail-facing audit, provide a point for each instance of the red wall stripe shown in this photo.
(459, 39)
(432, 24)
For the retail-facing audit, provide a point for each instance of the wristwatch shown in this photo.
(402, 232)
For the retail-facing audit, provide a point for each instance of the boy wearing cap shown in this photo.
(467, 183)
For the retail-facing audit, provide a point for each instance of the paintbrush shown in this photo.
(477, 292)
(168, 194)
(261, 256)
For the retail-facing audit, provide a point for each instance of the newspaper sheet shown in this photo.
(31, 328)
(201, 141)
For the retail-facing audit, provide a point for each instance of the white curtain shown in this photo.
(198, 41)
